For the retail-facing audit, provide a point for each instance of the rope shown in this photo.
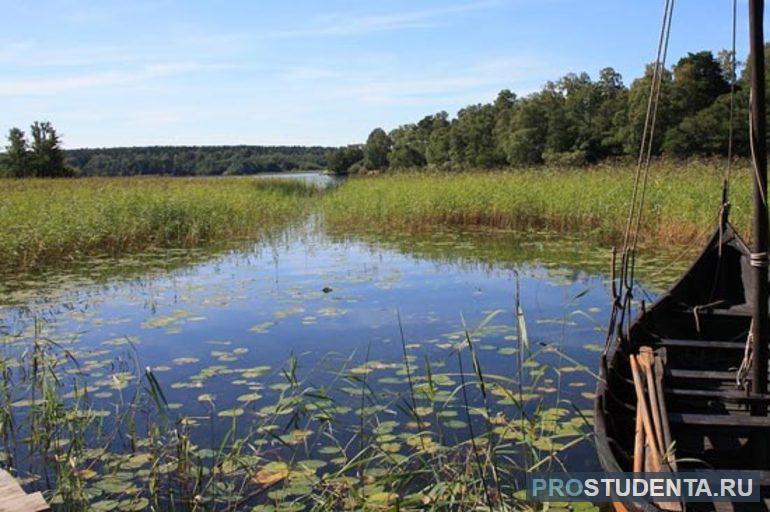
(662, 64)
(742, 375)
(622, 305)
(759, 259)
(731, 125)
(652, 99)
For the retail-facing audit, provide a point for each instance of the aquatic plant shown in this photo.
(682, 202)
(53, 222)
(96, 430)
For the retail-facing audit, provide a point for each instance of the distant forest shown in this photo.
(573, 121)
(194, 160)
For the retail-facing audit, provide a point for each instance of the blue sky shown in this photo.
(309, 71)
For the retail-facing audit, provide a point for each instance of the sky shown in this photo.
(311, 72)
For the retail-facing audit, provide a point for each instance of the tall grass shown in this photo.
(682, 201)
(54, 221)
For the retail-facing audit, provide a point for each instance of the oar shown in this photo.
(639, 443)
(645, 360)
(641, 403)
(668, 441)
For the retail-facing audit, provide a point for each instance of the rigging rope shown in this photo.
(731, 125)
(623, 298)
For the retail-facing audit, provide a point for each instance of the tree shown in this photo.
(17, 154)
(698, 81)
(47, 160)
(439, 145)
(409, 143)
(342, 159)
(472, 138)
(525, 143)
(376, 150)
(630, 128)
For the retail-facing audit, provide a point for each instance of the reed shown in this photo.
(52, 222)
(682, 201)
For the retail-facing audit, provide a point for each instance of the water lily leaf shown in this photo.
(272, 473)
(230, 413)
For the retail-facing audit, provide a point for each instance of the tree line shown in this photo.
(40, 158)
(195, 160)
(43, 157)
(573, 121)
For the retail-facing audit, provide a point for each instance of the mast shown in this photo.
(759, 258)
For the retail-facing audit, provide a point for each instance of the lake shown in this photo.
(368, 325)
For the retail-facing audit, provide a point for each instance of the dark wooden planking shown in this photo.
(720, 420)
(728, 345)
(735, 395)
(678, 373)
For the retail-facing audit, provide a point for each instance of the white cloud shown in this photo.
(48, 86)
(477, 82)
(344, 25)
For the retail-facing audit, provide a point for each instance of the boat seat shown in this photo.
(739, 310)
(680, 343)
(720, 420)
(727, 395)
(699, 374)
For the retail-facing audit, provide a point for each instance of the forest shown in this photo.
(43, 157)
(573, 121)
(194, 160)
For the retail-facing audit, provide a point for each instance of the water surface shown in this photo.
(221, 328)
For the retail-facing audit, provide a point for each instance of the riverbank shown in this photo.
(54, 222)
(682, 201)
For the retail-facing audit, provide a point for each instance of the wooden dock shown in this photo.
(14, 499)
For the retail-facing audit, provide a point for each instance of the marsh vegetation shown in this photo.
(371, 353)
(54, 222)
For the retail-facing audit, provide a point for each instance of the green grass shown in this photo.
(682, 201)
(52, 222)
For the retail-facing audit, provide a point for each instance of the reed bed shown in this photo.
(52, 222)
(682, 201)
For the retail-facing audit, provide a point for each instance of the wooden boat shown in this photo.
(684, 384)
(699, 328)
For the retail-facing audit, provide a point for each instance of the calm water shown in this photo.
(218, 328)
(317, 178)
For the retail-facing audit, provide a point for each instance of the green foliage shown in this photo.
(195, 160)
(43, 159)
(46, 158)
(17, 155)
(473, 137)
(342, 159)
(579, 121)
(376, 150)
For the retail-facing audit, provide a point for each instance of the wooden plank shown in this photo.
(8, 485)
(14, 499)
(24, 503)
(680, 343)
(727, 395)
(699, 374)
(720, 420)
